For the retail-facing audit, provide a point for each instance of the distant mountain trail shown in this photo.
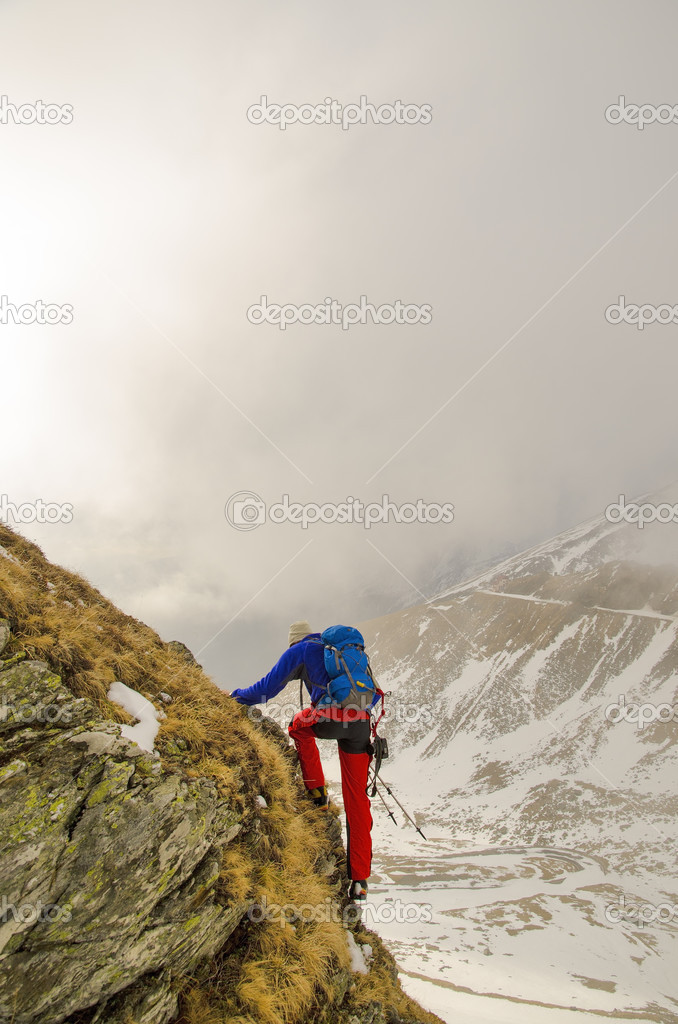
(593, 607)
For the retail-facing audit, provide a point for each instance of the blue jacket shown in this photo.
(304, 660)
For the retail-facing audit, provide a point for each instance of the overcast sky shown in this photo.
(160, 213)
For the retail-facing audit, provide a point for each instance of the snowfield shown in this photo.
(548, 888)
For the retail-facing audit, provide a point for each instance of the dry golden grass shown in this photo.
(378, 985)
(277, 973)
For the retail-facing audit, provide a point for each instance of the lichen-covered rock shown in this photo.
(183, 650)
(150, 1000)
(4, 634)
(107, 863)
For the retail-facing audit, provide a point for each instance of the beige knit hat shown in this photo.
(298, 630)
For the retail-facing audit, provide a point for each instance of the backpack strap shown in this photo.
(311, 640)
(338, 656)
(381, 695)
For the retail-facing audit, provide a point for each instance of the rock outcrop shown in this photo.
(110, 864)
(107, 863)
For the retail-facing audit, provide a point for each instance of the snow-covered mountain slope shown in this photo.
(584, 547)
(514, 738)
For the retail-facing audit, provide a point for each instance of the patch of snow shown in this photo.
(358, 963)
(459, 1007)
(146, 729)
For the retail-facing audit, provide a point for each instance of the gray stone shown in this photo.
(4, 634)
(182, 649)
(107, 867)
(148, 1001)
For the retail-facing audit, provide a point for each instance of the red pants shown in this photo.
(352, 730)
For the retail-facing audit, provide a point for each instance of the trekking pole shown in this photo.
(394, 797)
(388, 810)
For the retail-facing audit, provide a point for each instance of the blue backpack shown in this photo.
(348, 666)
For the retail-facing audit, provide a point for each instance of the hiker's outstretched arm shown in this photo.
(287, 668)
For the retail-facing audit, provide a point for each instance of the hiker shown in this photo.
(350, 726)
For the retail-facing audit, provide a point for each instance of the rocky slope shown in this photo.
(108, 863)
(132, 881)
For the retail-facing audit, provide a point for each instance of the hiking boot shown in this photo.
(358, 890)
(320, 797)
